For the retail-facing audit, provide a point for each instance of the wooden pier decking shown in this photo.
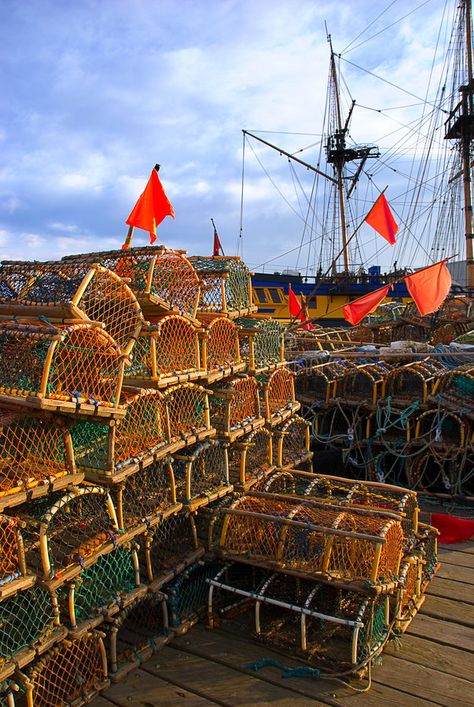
(432, 665)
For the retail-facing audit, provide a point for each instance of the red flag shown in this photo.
(217, 243)
(381, 219)
(296, 310)
(429, 287)
(452, 529)
(151, 208)
(360, 308)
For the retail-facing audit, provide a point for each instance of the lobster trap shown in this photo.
(410, 597)
(334, 629)
(202, 474)
(72, 673)
(220, 349)
(188, 416)
(187, 595)
(235, 407)
(363, 383)
(71, 293)
(8, 690)
(292, 440)
(74, 369)
(353, 548)
(101, 589)
(106, 452)
(168, 548)
(226, 286)
(427, 549)
(65, 534)
(444, 430)
(36, 457)
(163, 280)
(317, 383)
(146, 497)
(166, 353)
(278, 392)
(456, 387)
(251, 458)
(342, 423)
(262, 345)
(13, 572)
(137, 632)
(30, 624)
(414, 381)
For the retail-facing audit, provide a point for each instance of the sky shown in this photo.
(95, 92)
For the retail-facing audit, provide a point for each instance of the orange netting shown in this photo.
(202, 470)
(279, 393)
(226, 284)
(293, 442)
(235, 404)
(11, 552)
(222, 344)
(188, 410)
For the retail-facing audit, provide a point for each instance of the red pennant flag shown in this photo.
(296, 310)
(151, 208)
(217, 243)
(360, 308)
(429, 287)
(452, 529)
(381, 219)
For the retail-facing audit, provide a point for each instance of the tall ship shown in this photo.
(337, 259)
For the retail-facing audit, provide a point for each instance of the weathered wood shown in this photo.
(448, 588)
(101, 701)
(146, 690)
(443, 632)
(460, 547)
(459, 574)
(447, 610)
(423, 651)
(454, 557)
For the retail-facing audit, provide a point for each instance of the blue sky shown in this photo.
(94, 92)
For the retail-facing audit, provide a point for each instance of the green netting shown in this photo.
(236, 282)
(267, 340)
(90, 443)
(374, 632)
(141, 359)
(8, 687)
(140, 625)
(100, 585)
(187, 595)
(24, 618)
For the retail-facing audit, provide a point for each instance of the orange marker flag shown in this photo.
(360, 308)
(151, 208)
(217, 241)
(296, 310)
(381, 219)
(429, 287)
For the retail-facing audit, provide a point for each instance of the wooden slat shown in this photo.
(458, 574)
(453, 557)
(423, 651)
(457, 591)
(146, 690)
(447, 610)
(460, 547)
(443, 632)
(101, 701)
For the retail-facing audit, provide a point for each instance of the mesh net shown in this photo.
(409, 577)
(414, 381)
(187, 405)
(206, 466)
(29, 616)
(76, 526)
(187, 595)
(363, 382)
(10, 558)
(241, 401)
(280, 391)
(447, 429)
(72, 669)
(222, 344)
(294, 441)
(457, 386)
(317, 381)
(100, 585)
(236, 277)
(267, 338)
(139, 625)
(31, 451)
(147, 493)
(167, 544)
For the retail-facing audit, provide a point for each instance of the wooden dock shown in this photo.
(432, 665)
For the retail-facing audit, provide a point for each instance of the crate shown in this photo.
(278, 395)
(220, 349)
(455, 387)
(317, 382)
(101, 589)
(292, 441)
(352, 548)
(64, 534)
(166, 353)
(13, 572)
(32, 619)
(337, 631)
(72, 673)
(202, 474)
(187, 595)
(251, 458)
(235, 407)
(262, 345)
(73, 369)
(414, 381)
(226, 286)
(36, 457)
(426, 547)
(163, 280)
(187, 407)
(107, 452)
(442, 430)
(71, 293)
(136, 633)
(365, 383)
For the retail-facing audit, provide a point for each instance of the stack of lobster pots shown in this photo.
(138, 392)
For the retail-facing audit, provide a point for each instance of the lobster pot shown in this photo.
(444, 430)
(410, 596)
(75, 291)
(74, 671)
(110, 452)
(414, 381)
(12, 556)
(168, 548)
(146, 497)
(162, 279)
(8, 691)
(391, 425)
(187, 409)
(73, 369)
(261, 343)
(226, 286)
(313, 539)
(455, 387)
(220, 349)
(36, 457)
(235, 407)
(209, 521)
(364, 383)
(66, 533)
(202, 474)
(251, 457)
(333, 629)
(166, 352)
(293, 442)
(317, 383)
(358, 494)
(137, 632)
(427, 548)
(101, 589)
(188, 594)
(29, 620)
(341, 423)
(278, 392)
(434, 471)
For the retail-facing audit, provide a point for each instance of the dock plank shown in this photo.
(454, 557)
(467, 547)
(443, 632)
(423, 651)
(147, 690)
(456, 573)
(447, 610)
(448, 588)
